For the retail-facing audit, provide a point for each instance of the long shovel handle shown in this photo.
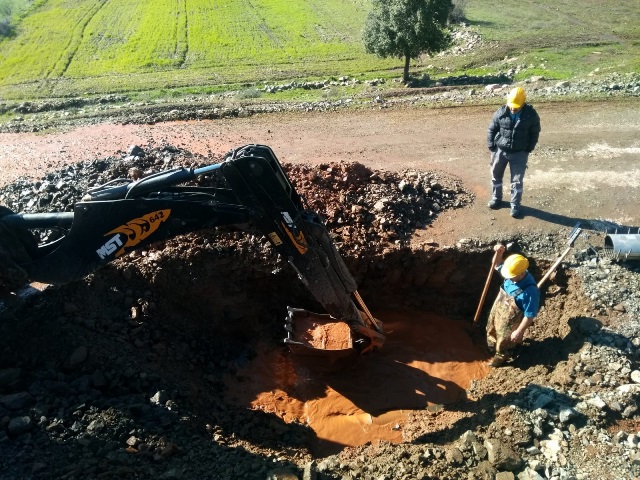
(487, 283)
(575, 233)
(553, 267)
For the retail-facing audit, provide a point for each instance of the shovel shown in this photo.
(573, 235)
(485, 290)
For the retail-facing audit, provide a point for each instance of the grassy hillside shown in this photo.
(117, 45)
(73, 47)
(560, 38)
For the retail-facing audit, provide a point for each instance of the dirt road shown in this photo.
(586, 166)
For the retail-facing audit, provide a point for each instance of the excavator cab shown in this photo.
(114, 219)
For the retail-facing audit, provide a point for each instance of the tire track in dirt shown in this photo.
(72, 47)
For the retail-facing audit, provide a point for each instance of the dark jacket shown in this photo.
(514, 138)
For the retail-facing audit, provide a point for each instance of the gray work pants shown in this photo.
(517, 162)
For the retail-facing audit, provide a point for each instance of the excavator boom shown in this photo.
(112, 220)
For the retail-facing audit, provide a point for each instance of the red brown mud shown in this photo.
(427, 360)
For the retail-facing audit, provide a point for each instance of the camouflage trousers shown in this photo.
(504, 317)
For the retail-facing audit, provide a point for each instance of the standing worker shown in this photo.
(513, 134)
(515, 306)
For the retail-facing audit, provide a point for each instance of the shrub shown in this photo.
(457, 14)
(6, 29)
(249, 93)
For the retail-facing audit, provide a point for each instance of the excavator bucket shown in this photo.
(323, 342)
(319, 340)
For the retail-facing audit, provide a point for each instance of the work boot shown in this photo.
(515, 211)
(497, 361)
(494, 203)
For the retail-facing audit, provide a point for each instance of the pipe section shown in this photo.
(623, 246)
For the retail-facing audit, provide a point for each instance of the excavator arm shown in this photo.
(112, 220)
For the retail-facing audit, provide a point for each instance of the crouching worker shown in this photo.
(515, 307)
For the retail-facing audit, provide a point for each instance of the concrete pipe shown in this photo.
(622, 246)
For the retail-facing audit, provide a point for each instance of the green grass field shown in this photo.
(74, 47)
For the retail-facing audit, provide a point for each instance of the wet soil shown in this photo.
(201, 321)
(416, 369)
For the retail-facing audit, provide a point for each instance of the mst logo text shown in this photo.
(132, 233)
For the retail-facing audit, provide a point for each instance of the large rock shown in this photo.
(16, 401)
(19, 425)
(501, 456)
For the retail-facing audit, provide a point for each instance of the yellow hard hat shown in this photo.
(513, 266)
(516, 97)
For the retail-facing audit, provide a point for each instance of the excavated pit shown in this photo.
(430, 358)
(195, 325)
(198, 325)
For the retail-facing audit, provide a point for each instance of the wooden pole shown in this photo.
(487, 283)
